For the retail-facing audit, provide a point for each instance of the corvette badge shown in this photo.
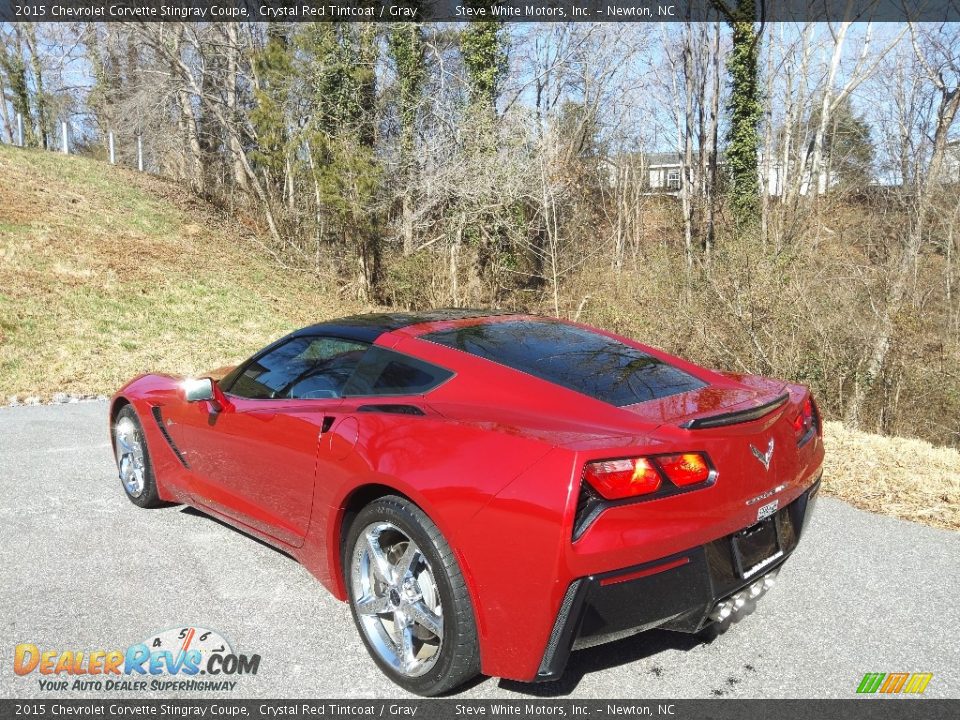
(766, 457)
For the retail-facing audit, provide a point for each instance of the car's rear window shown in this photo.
(572, 357)
(384, 372)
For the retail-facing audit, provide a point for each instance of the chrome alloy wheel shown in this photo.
(130, 456)
(396, 599)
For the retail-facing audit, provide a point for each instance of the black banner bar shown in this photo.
(468, 10)
(873, 708)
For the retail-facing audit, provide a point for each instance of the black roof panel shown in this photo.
(370, 326)
(573, 357)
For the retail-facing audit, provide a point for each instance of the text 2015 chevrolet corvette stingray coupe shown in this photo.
(489, 492)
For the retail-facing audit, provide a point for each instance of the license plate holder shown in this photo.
(756, 547)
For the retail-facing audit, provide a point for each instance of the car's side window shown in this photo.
(304, 367)
(385, 372)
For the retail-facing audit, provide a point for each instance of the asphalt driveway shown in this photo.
(83, 568)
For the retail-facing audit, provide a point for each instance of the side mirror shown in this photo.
(206, 389)
(196, 390)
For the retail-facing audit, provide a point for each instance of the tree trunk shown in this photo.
(190, 124)
(815, 186)
(884, 334)
(407, 222)
(230, 94)
(454, 263)
(710, 196)
(12, 62)
(687, 183)
(39, 93)
(192, 140)
(8, 128)
(794, 158)
(745, 110)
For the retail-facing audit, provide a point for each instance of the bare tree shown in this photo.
(833, 97)
(937, 50)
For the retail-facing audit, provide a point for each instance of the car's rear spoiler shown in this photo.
(738, 416)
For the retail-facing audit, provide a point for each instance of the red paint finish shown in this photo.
(647, 572)
(496, 460)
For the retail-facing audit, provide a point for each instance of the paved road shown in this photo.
(82, 568)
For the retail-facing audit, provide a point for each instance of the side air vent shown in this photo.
(158, 416)
(394, 408)
(739, 416)
(565, 629)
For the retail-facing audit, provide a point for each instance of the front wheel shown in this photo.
(133, 460)
(408, 598)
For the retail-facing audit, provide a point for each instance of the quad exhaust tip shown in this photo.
(735, 603)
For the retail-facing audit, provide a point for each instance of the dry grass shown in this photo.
(106, 273)
(902, 477)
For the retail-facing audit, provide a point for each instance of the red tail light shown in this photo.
(615, 479)
(633, 477)
(805, 423)
(685, 469)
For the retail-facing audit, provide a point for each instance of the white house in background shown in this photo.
(951, 163)
(664, 174)
(773, 178)
(664, 171)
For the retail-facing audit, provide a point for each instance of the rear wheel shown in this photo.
(133, 460)
(409, 599)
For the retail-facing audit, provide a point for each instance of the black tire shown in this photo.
(458, 657)
(147, 497)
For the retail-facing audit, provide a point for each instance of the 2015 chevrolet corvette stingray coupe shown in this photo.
(488, 491)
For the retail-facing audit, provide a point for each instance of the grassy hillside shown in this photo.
(903, 477)
(106, 273)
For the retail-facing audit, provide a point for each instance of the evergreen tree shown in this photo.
(273, 68)
(15, 69)
(848, 147)
(405, 46)
(484, 50)
(338, 62)
(746, 109)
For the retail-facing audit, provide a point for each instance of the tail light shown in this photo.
(685, 469)
(806, 423)
(636, 477)
(615, 479)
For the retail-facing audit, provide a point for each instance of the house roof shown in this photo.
(654, 160)
(664, 158)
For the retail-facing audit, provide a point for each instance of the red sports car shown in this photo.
(488, 491)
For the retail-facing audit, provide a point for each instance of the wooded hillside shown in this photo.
(806, 227)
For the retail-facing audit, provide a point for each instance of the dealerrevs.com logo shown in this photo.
(171, 660)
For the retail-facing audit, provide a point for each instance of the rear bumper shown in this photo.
(677, 592)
